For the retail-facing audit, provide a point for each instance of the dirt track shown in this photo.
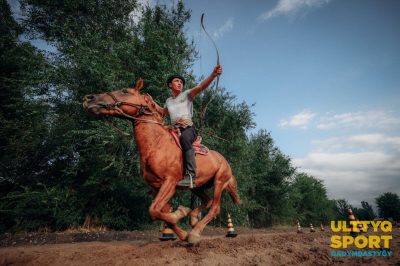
(250, 247)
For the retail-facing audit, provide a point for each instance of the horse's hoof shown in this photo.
(194, 239)
(184, 210)
(194, 245)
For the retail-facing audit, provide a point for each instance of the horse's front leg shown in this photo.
(165, 193)
(183, 235)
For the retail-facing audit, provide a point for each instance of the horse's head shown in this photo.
(117, 103)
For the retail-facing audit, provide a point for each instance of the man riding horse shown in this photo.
(180, 109)
(161, 160)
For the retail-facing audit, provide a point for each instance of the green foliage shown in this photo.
(311, 199)
(365, 213)
(41, 207)
(388, 205)
(270, 173)
(23, 111)
(342, 206)
(98, 49)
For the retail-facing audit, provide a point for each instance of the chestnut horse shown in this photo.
(161, 161)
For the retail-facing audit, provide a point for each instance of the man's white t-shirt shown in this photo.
(181, 105)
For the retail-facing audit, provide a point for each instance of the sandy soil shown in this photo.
(250, 247)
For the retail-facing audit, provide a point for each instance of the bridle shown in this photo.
(143, 110)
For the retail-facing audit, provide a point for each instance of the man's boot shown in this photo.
(188, 180)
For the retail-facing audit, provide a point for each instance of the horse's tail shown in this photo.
(232, 190)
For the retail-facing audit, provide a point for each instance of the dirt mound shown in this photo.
(250, 247)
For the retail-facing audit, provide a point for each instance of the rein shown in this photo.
(142, 111)
(211, 135)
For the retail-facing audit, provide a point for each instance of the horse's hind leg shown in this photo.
(194, 236)
(206, 202)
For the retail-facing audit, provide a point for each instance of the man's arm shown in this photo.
(196, 90)
(162, 111)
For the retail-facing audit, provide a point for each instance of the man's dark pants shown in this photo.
(188, 136)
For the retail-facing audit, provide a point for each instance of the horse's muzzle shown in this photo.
(93, 104)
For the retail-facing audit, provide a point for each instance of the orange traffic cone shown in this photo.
(353, 232)
(299, 228)
(231, 231)
(322, 227)
(312, 229)
(168, 234)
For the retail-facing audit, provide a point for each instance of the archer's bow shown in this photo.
(216, 88)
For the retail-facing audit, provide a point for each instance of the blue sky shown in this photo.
(325, 76)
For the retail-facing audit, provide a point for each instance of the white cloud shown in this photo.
(357, 167)
(326, 126)
(291, 7)
(302, 119)
(330, 144)
(375, 119)
(360, 142)
(357, 177)
(227, 27)
(351, 161)
(374, 140)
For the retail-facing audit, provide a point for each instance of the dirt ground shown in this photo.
(251, 247)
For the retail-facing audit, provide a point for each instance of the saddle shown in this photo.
(198, 148)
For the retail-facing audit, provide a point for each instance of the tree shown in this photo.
(365, 213)
(23, 115)
(342, 207)
(388, 205)
(88, 165)
(312, 204)
(266, 184)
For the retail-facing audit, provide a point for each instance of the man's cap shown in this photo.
(174, 77)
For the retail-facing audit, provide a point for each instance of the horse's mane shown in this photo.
(157, 115)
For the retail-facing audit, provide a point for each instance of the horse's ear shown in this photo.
(139, 85)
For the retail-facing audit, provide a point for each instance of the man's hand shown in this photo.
(149, 100)
(217, 70)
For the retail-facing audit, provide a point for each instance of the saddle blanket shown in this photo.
(198, 148)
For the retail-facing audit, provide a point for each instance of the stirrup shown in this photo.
(191, 180)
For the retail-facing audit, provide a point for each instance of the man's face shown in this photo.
(176, 84)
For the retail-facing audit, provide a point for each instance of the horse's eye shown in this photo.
(124, 91)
